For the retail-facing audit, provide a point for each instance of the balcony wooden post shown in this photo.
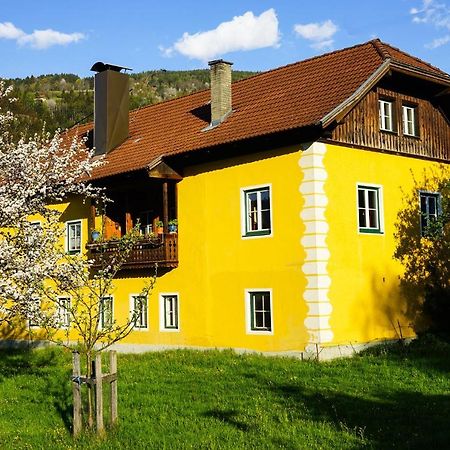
(91, 220)
(128, 222)
(165, 207)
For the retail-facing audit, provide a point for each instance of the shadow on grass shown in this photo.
(402, 419)
(428, 352)
(23, 361)
(44, 364)
(228, 417)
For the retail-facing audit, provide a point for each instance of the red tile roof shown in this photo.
(293, 96)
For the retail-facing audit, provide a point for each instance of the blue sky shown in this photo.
(38, 37)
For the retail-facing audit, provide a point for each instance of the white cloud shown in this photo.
(246, 32)
(438, 42)
(10, 31)
(320, 34)
(39, 39)
(432, 12)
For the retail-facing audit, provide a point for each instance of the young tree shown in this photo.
(61, 294)
(35, 172)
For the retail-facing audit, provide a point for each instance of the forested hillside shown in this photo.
(62, 100)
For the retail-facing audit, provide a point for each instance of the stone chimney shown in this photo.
(111, 106)
(220, 71)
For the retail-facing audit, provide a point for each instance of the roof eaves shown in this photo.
(421, 73)
(349, 102)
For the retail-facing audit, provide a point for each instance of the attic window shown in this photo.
(409, 113)
(386, 115)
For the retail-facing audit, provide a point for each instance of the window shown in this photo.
(409, 120)
(35, 230)
(430, 208)
(369, 209)
(74, 236)
(169, 312)
(34, 312)
(106, 312)
(259, 311)
(63, 313)
(257, 211)
(386, 115)
(139, 311)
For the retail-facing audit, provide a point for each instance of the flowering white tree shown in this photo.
(34, 173)
(37, 174)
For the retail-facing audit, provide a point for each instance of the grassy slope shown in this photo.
(186, 399)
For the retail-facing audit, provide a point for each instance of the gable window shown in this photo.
(139, 311)
(73, 231)
(169, 312)
(409, 120)
(257, 220)
(386, 115)
(106, 312)
(369, 209)
(259, 311)
(63, 312)
(430, 206)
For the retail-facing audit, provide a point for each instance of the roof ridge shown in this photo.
(262, 73)
(389, 46)
(312, 58)
(380, 48)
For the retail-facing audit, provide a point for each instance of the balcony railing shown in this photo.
(144, 254)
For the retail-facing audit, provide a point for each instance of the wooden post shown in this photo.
(113, 386)
(76, 389)
(128, 222)
(99, 394)
(165, 208)
(92, 214)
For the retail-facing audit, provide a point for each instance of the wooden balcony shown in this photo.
(145, 254)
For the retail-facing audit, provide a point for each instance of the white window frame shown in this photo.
(101, 325)
(386, 117)
(245, 233)
(34, 224)
(438, 197)
(162, 312)
(132, 309)
(68, 225)
(62, 314)
(38, 304)
(380, 216)
(249, 309)
(409, 123)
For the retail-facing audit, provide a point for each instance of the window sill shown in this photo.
(257, 234)
(364, 231)
(260, 332)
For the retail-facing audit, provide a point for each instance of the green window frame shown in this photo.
(260, 310)
(34, 313)
(257, 211)
(63, 312)
(430, 210)
(170, 311)
(106, 311)
(369, 209)
(73, 232)
(140, 311)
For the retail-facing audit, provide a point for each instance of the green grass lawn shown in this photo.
(396, 398)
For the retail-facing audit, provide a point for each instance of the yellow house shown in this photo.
(286, 188)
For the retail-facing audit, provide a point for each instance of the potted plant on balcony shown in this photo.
(160, 227)
(173, 226)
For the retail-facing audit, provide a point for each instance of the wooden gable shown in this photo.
(361, 125)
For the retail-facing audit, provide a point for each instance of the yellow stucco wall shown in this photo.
(313, 189)
(364, 292)
(216, 265)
